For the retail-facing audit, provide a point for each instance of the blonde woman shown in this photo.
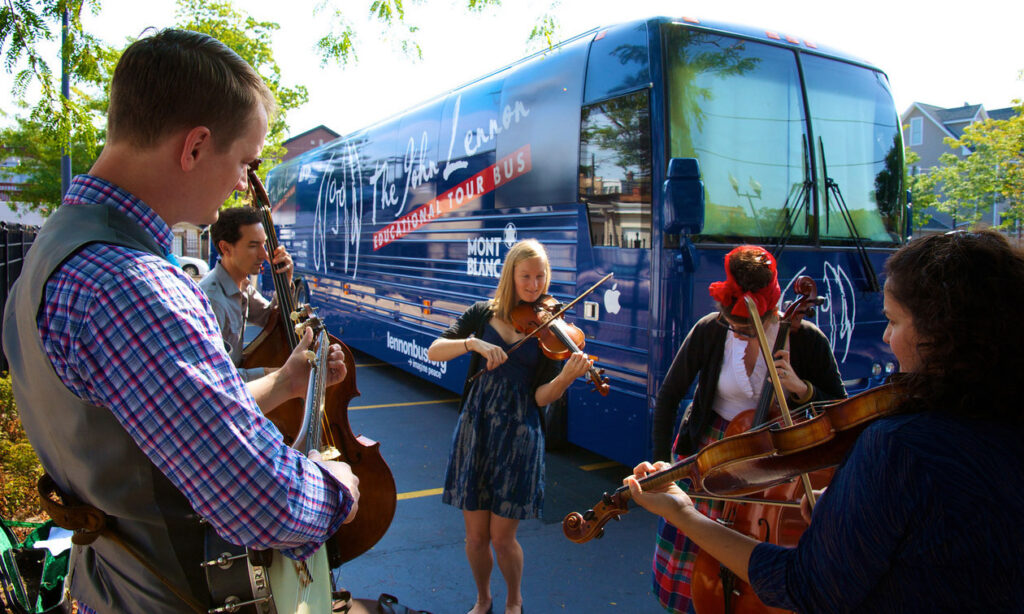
(495, 471)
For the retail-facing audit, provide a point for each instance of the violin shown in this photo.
(755, 460)
(716, 589)
(378, 494)
(557, 338)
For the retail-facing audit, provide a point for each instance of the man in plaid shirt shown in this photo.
(119, 370)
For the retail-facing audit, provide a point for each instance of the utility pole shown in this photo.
(65, 90)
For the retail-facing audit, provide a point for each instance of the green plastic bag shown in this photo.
(32, 579)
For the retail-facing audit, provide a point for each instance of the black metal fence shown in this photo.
(15, 239)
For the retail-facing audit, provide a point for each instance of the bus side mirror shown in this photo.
(683, 197)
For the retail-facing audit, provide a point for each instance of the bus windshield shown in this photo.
(859, 146)
(737, 106)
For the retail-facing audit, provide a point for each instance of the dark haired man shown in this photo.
(119, 370)
(240, 239)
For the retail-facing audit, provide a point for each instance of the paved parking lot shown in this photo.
(421, 559)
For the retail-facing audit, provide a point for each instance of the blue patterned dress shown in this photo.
(497, 458)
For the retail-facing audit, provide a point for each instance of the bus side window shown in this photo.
(615, 170)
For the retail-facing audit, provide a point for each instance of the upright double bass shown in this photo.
(377, 492)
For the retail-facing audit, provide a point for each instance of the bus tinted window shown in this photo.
(615, 171)
(736, 106)
(857, 141)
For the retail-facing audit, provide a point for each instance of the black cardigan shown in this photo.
(473, 321)
(702, 352)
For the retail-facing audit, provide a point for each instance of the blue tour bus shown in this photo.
(647, 150)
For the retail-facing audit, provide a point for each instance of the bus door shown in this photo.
(615, 174)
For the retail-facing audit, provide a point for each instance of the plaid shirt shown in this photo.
(131, 332)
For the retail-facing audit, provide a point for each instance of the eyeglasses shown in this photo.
(745, 331)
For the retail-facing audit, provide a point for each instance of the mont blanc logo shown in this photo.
(611, 299)
(510, 235)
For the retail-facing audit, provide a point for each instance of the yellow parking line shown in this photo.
(420, 493)
(404, 404)
(604, 465)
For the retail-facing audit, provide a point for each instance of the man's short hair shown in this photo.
(179, 79)
(228, 226)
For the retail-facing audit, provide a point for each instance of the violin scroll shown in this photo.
(584, 527)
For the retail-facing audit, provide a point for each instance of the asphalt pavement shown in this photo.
(421, 559)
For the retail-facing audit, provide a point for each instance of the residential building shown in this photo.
(925, 129)
(301, 143)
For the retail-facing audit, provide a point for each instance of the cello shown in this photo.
(715, 589)
(378, 495)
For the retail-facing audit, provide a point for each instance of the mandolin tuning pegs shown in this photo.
(600, 534)
(589, 515)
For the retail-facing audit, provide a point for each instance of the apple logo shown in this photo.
(611, 300)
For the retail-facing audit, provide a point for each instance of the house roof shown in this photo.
(311, 130)
(932, 113)
(953, 121)
(958, 118)
(1004, 113)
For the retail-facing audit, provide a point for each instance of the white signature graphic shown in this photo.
(342, 182)
(840, 307)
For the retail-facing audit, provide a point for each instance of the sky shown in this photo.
(945, 54)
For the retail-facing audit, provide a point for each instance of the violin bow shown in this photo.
(780, 394)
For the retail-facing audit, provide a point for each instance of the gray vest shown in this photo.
(88, 452)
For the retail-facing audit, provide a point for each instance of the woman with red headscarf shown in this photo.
(722, 353)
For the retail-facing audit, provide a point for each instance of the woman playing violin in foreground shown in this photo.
(495, 472)
(924, 514)
(721, 352)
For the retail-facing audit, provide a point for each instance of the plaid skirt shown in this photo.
(674, 554)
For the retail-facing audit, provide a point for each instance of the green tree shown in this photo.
(922, 191)
(26, 28)
(993, 172)
(38, 155)
(26, 25)
(38, 146)
(339, 44)
(249, 38)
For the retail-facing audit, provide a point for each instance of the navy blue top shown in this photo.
(925, 515)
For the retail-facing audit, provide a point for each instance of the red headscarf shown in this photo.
(729, 292)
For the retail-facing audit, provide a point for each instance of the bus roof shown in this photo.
(771, 37)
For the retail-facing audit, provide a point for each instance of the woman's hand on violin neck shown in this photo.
(576, 365)
(668, 501)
